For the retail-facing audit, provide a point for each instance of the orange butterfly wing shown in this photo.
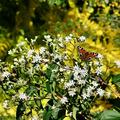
(81, 50)
(84, 55)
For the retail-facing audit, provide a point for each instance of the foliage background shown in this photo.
(98, 20)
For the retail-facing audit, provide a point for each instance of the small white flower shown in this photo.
(64, 100)
(66, 85)
(45, 60)
(61, 45)
(36, 58)
(22, 60)
(53, 107)
(48, 38)
(94, 83)
(84, 95)
(107, 1)
(34, 118)
(76, 68)
(16, 61)
(117, 62)
(98, 71)
(100, 92)
(6, 74)
(97, 63)
(11, 52)
(70, 114)
(82, 38)
(62, 80)
(89, 90)
(20, 44)
(30, 52)
(23, 96)
(76, 76)
(60, 39)
(69, 84)
(34, 40)
(42, 50)
(68, 38)
(5, 104)
(83, 72)
(72, 93)
(70, 35)
(99, 56)
(81, 82)
(61, 69)
(57, 56)
(67, 68)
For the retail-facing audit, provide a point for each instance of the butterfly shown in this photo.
(85, 55)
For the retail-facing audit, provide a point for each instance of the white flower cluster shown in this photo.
(34, 69)
(6, 104)
(64, 100)
(79, 73)
(68, 38)
(6, 74)
(23, 96)
(82, 38)
(82, 86)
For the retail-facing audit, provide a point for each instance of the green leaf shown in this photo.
(49, 70)
(47, 115)
(74, 112)
(51, 76)
(115, 103)
(20, 110)
(116, 78)
(55, 113)
(109, 115)
(48, 86)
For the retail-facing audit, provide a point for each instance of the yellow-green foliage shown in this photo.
(102, 32)
(4, 47)
(102, 36)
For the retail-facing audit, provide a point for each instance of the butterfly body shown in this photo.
(85, 55)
